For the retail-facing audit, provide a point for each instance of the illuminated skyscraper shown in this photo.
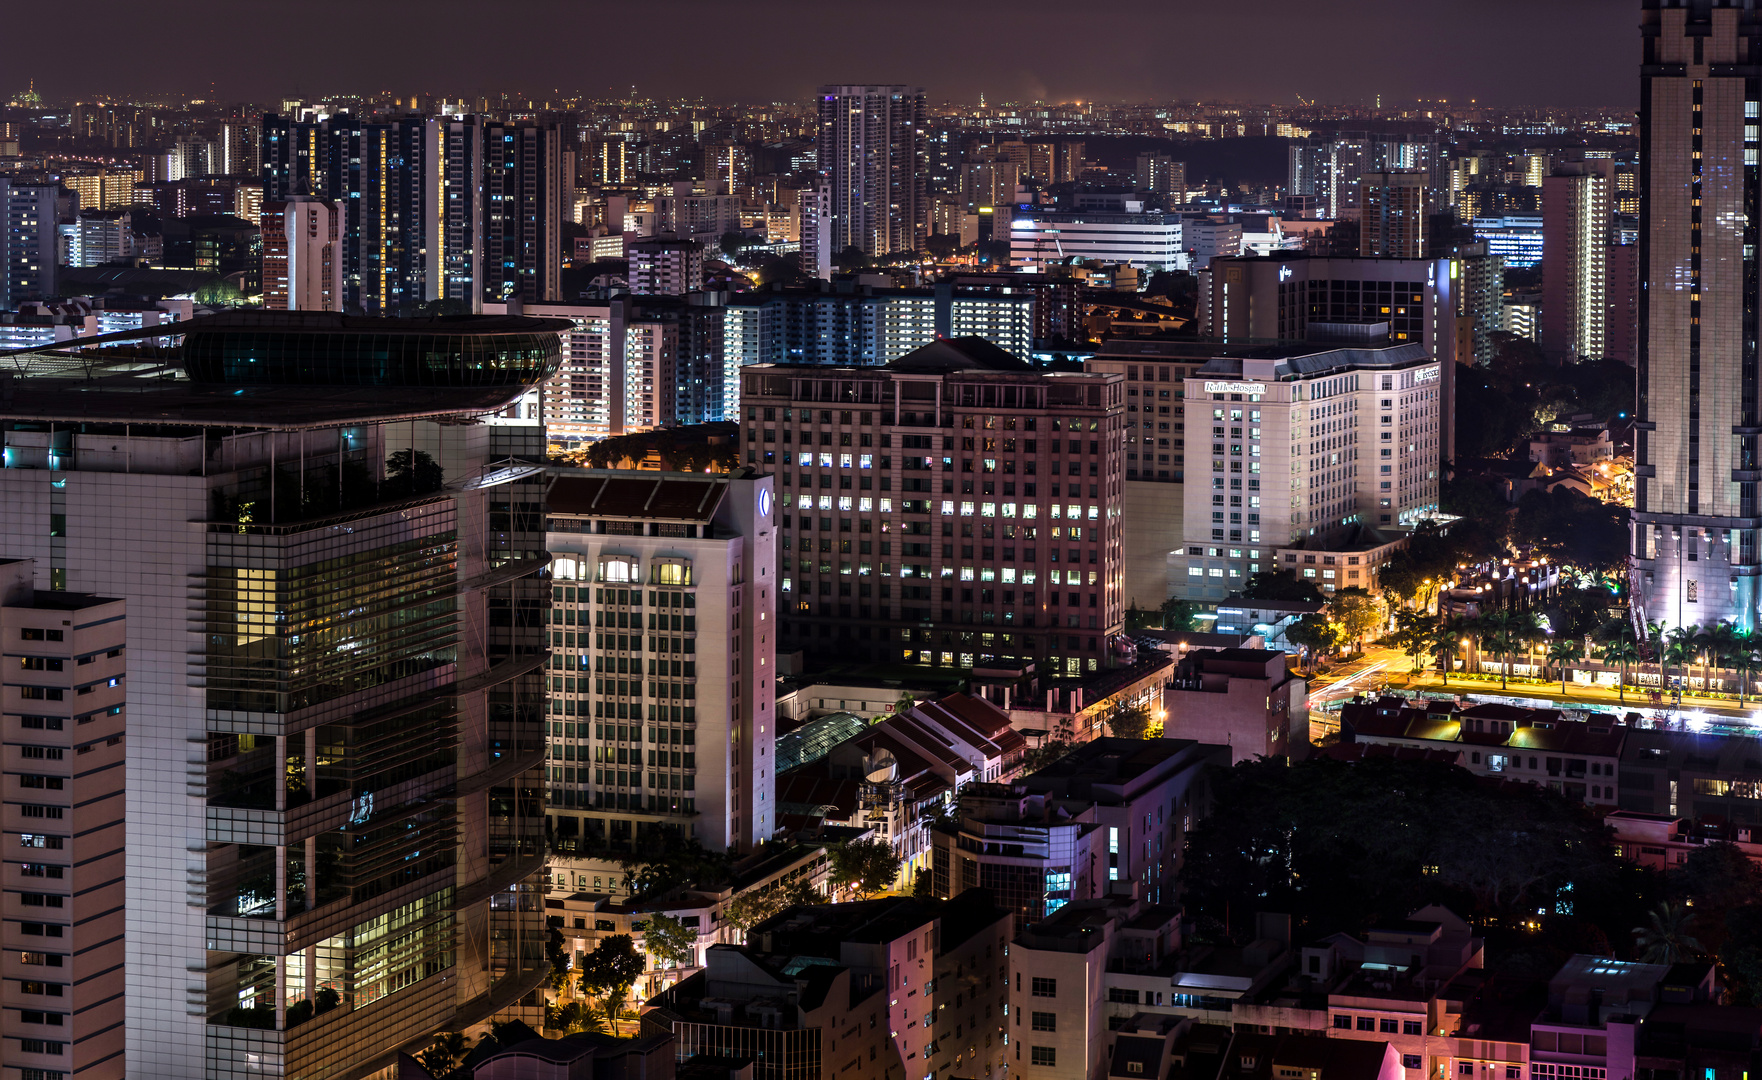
(527, 191)
(1696, 519)
(872, 151)
(460, 209)
(1392, 222)
(384, 176)
(27, 242)
(1575, 244)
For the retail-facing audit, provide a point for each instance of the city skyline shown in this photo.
(1463, 50)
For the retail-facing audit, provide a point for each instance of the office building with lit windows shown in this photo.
(1515, 238)
(1331, 168)
(383, 176)
(666, 266)
(335, 590)
(1392, 214)
(302, 255)
(1150, 240)
(526, 191)
(954, 507)
(1155, 374)
(1302, 446)
(462, 209)
(662, 664)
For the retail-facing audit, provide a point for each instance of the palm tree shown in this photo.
(448, 1050)
(1679, 649)
(1563, 653)
(1721, 640)
(1506, 632)
(1446, 634)
(1744, 661)
(1668, 936)
(573, 1016)
(1621, 652)
(1655, 644)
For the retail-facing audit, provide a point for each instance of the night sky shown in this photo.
(1542, 52)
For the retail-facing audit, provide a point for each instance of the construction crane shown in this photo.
(1308, 103)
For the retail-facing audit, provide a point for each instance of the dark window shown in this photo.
(1044, 988)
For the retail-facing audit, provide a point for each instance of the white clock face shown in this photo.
(764, 503)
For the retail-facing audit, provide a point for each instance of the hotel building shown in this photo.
(1308, 445)
(662, 667)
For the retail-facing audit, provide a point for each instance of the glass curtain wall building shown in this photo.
(336, 730)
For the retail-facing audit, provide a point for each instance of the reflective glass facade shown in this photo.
(343, 358)
(347, 759)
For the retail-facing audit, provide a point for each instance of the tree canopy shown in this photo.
(695, 448)
(752, 908)
(942, 245)
(1178, 615)
(1343, 846)
(411, 472)
(1280, 585)
(1356, 611)
(610, 970)
(1316, 633)
(1428, 556)
(669, 941)
(1130, 721)
(867, 867)
(1572, 528)
(666, 860)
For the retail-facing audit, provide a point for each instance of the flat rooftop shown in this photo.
(1114, 760)
(130, 392)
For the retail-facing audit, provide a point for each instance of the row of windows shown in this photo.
(56, 693)
(1386, 1025)
(626, 597)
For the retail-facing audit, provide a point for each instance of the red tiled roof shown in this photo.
(637, 495)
